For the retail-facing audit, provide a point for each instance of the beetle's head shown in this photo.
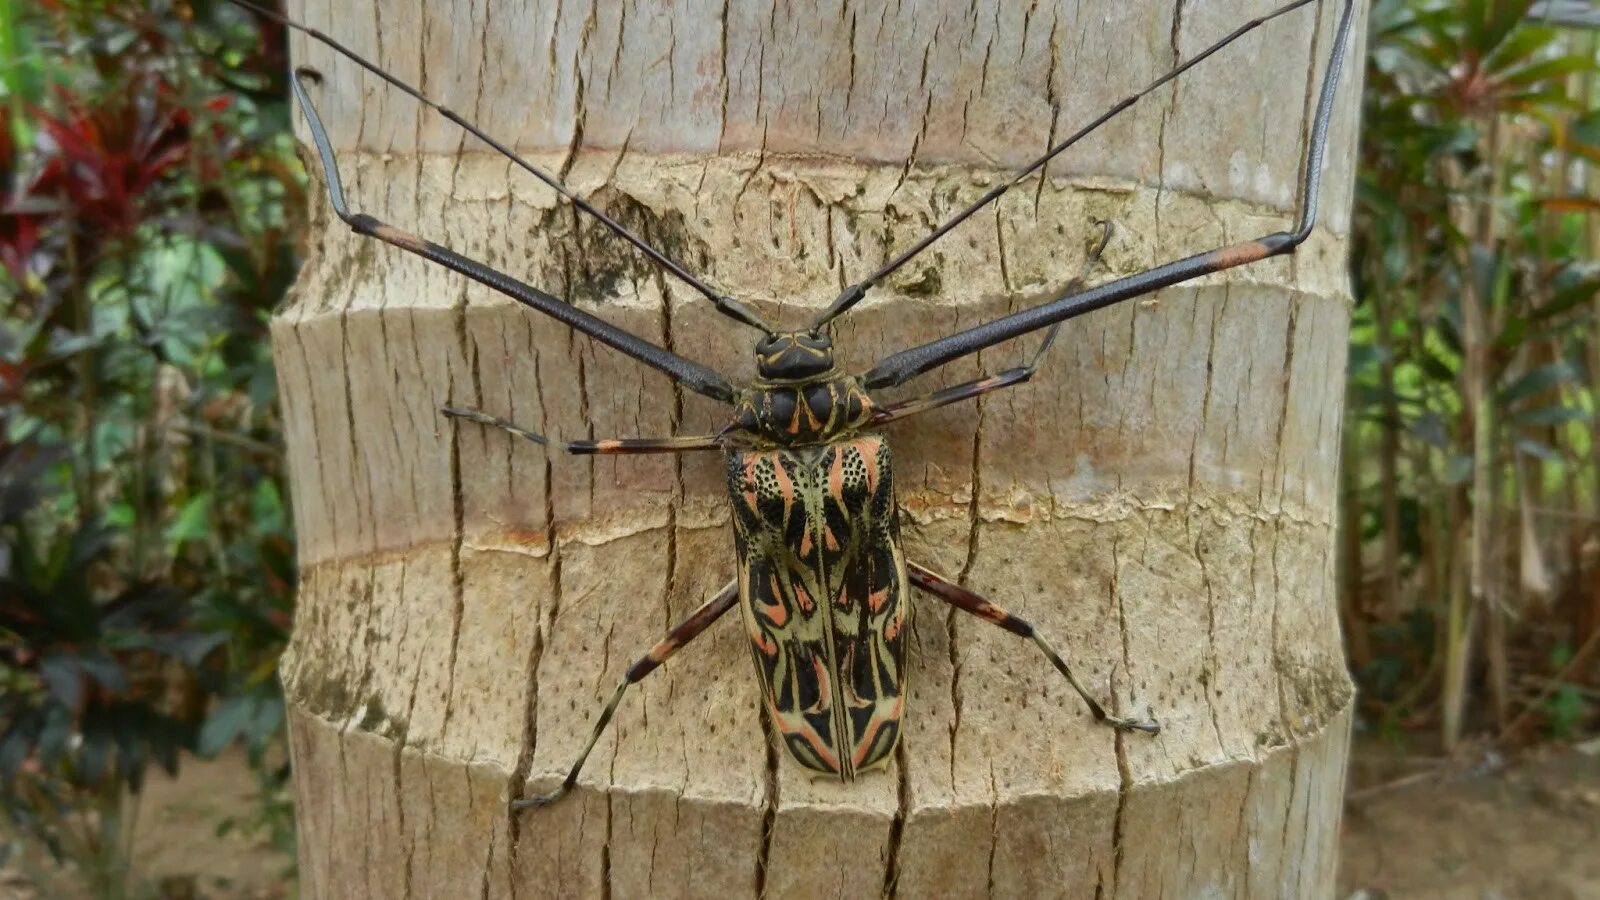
(794, 355)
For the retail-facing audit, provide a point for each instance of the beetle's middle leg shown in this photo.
(963, 599)
(682, 633)
(999, 380)
(613, 445)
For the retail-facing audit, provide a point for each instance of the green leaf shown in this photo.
(1547, 70)
(119, 515)
(1502, 17)
(269, 716)
(190, 647)
(64, 677)
(1550, 415)
(1565, 299)
(1586, 128)
(266, 506)
(17, 745)
(1429, 427)
(94, 756)
(193, 522)
(1538, 449)
(1363, 356)
(1436, 368)
(1522, 44)
(1512, 334)
(1566, 709)
(1537, 382)
(107, 672)
(225, 724)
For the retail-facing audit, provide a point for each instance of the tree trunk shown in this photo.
(1160, 501)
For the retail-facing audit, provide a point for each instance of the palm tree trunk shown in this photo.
(1160, 501)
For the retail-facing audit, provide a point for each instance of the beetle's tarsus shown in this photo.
(538, 801)
(483, 418)
(1148, 726)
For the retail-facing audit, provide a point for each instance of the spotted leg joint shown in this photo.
(967, 601)
(681, 634)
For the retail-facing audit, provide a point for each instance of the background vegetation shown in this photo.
(1472, 449)
(146, 561)
(148, 214)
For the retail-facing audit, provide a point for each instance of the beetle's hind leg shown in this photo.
(613, 445)
(963, 599)
(690, 628)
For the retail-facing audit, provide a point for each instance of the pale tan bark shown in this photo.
(1160, 501)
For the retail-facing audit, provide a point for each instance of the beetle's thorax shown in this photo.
(798, 413)
(799, 396)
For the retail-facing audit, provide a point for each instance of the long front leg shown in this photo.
(901, 367)
(678, 444)
(681, 634)
(963, 599)
(690, 374)
(1010, 377)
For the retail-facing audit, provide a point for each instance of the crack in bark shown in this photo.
(357, 458)
(769, 816)
(1051, 92)
(530, 738)
(483, 78)
(951, 616)
(1208, 684)
(1283, 409)
(1217, 313)
(1241, 827)
(1288, 813)
(488, 858)
(397, 773)
(994, 827)
(605, 849)
(1124, 771)
(458, 585)
(727, 80)
(891, 869)
(1166, 114)
(1001, 250)
(1277, 665)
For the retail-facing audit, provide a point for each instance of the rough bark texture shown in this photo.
(1160, 501)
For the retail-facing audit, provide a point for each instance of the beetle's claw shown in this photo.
(538, 801)
(1148, 726)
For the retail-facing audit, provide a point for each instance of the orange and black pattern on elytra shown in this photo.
(822, 587)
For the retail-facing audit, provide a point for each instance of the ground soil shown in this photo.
(1473, 828)
(1476, 828)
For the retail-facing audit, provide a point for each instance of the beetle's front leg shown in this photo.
(963, 599)
(612, 445)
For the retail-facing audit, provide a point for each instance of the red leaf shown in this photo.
(106, 160)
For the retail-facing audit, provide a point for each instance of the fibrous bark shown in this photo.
(1160, 501)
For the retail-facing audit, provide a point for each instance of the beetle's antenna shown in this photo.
(728, 306)
(907, 364)
(853, 294)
